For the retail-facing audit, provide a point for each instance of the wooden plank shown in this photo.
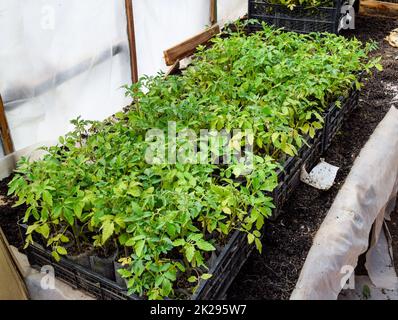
(378, 8)
(8, 145)
(188, 47)
(173, 69)
(12, 284)
(131, 37)
(213, 12)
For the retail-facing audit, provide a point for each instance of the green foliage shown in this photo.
(291, 4)
(95, 186)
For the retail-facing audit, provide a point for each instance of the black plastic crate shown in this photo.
(225, 268)
(301, 19)
(336, 115)
(77, 276)
(289, 175)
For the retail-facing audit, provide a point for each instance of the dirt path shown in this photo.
(273, 274)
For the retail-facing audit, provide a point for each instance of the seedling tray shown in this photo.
(235, 253)
(77, 276)
(301, 19)
(224, 270)
(308, 156)
(289, 176)
(335, 117)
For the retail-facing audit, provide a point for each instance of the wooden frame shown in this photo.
(378, 8)
(213, 12)
(188, 47)
(132, 44)
(8, 145)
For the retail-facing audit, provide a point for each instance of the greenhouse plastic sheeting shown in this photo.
(60, 59)
(363, 202)
(161, 24)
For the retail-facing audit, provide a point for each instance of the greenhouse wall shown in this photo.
(65, 59)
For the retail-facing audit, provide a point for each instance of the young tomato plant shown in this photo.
(95, 188)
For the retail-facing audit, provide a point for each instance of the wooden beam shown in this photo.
(132, 44)
(213, 12)
(173, 69)
(378, 8)
(8, 146)
(12, 285)
(188, 47)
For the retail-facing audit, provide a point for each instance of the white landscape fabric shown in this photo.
(361, 203)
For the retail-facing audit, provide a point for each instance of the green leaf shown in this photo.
(78, 209)
(124, 273)
(180, 267)
(64, 239)
(123, 238)
(274, 138)
(107, 230)
(179, 242)
(305, 128)
(56, 256)
(32, 228)
(166, 287)
(57, 211)
(171, 275)
(205, 246)
(44, 230)
(47, 198)
(139, 246)
(257, 233)
(312, 132)
(189, 252)
(206, 276)
(259, 245)
(68, 215)
(134, 191)
(61, 250)
(288, 150)
(226, 210)
(192, 279)
(250, 238)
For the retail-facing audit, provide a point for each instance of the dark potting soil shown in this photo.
(393, 228)
(274, 273)
(10, 216)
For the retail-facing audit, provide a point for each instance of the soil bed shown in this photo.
(274, 273)
(393, 228)
(9, 216)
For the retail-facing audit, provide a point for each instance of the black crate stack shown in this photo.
(301, 19)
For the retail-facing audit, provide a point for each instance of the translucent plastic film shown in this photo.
(58, 60)
(161, 24)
